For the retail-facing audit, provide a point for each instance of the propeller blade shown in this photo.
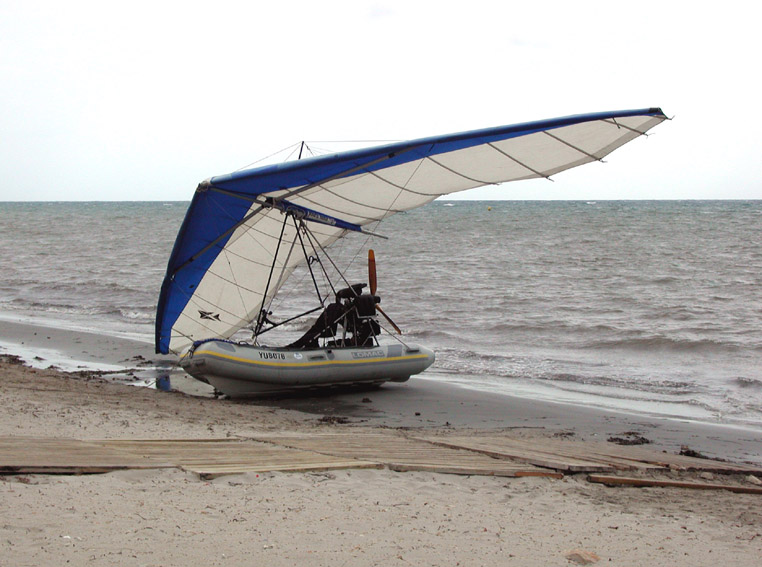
(396, 328)
(372, 282)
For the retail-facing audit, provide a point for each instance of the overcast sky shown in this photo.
(142, 100)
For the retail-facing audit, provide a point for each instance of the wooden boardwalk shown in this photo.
(478, 454)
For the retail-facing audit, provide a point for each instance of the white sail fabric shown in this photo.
(231, 294)
(231, 291)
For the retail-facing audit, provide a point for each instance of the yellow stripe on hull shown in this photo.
(275, 364)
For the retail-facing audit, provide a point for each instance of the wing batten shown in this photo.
(477, 182)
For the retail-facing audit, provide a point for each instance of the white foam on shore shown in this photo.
(45, 321)
(43, 358)
(533, 391)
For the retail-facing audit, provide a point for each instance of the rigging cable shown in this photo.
(312, 242)
(272, 269)
(299, 227)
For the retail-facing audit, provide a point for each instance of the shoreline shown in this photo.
(167, 516)
(60, 345)
(418, 403)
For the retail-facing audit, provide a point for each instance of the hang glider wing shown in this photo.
(218, 270)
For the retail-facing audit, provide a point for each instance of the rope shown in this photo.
(271, 155)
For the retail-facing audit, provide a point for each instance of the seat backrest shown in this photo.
(350, 292)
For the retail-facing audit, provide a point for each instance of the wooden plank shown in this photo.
(640, 456)
(586, 456)
(671, 460)
(30, 455)
(505, 448)
(470, 471)
(571, 449)
(75, 470)
(544, 473)
(403, 454)
(568, 449)
(206, 457)
(210, 472)
(648, 482)
(212, 458)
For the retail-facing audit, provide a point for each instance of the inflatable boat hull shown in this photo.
(243, 370)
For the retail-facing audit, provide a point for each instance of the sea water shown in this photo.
(650, 306)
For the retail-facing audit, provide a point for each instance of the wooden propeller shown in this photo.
(373, 284)
(372, 272)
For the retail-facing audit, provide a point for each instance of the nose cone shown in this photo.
(425, 357)
(430, 356)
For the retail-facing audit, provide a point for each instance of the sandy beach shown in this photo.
(342, 517)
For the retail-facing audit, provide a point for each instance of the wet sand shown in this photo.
(420, 402)
(358, 517)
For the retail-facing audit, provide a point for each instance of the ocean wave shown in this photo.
(557, 372)
(662, 343)
(58, 308)
(740, 405)
(665, 280)
(99, 312)
(138, 315)
(430, 334)
(606, 390)
(668, 387)
(745, 382)
(555, 326)
(588, 380)
(470, 362)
